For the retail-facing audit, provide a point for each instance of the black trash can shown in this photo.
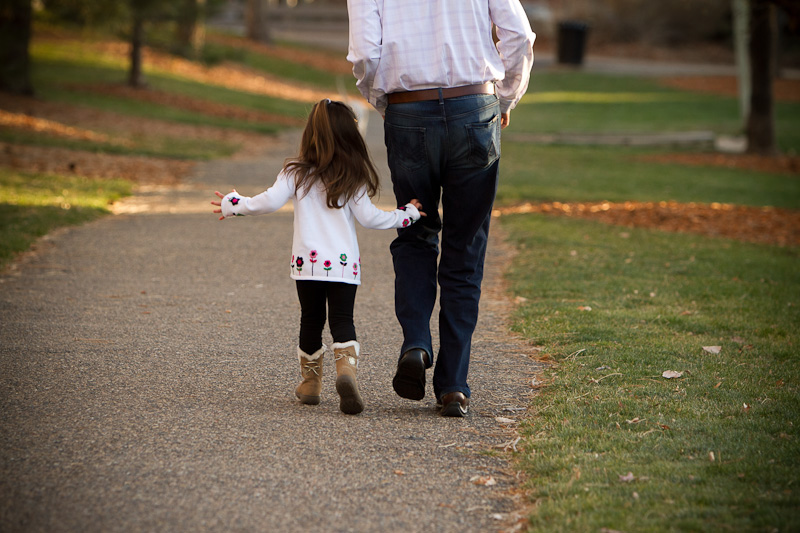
(571, 41)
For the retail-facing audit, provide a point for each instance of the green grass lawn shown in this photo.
(31, 205)
(58, 66)
(579, 102)
(609, 442)
(615, 309)
(586, 173)
(282, 68)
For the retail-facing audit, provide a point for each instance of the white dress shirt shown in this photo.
(408, 45)
(325, 246)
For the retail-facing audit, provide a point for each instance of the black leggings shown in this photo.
(313, 295)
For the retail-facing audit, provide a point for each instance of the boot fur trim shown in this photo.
(314, 356)
(343, 345)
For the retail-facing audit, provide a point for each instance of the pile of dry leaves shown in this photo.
(751, 224)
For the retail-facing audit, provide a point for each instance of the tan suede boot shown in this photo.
(311, 370)
(346, 356)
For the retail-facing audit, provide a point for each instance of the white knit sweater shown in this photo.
(325, 246)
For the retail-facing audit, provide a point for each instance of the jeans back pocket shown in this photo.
(406, 146)
(484, 142)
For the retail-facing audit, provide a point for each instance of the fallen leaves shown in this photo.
(785, 90)
(188, 103)
(781, 164)
(592, 380)
(671, 374)
(712, 349)
(766, 225)
(41, 125)
(139, 169)
(486, 481)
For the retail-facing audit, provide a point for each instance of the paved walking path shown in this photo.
(147, 375)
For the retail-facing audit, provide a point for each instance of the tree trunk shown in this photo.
(741, 34)
(191, 28)
(137, 36)
(257, 29)
(761, 122)
(15, 38)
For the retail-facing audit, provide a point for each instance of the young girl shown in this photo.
(330, 183)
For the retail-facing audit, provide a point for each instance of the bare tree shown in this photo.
(142, 11)
(190, 32)
(255, 14)
(760, 127)
(15, 36)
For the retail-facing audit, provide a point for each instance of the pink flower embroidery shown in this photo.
(312, 256)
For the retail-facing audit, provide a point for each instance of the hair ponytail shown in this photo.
(333, 151)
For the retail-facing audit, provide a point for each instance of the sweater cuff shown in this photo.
(233, 204)
(412, 212)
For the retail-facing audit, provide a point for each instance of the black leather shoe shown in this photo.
(409, 380)
(454, 404)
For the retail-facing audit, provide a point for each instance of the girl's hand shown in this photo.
(219, 204)
(418, 205)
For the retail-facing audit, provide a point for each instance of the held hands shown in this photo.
(219, 204)
(416, 204)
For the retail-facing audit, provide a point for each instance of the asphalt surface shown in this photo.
(147, 375)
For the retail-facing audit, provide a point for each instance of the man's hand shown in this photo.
(505, 119)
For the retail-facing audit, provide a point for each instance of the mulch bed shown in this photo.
(138, 169)
(186, 103)
(779, 164)
(784, 90)
(766, 225)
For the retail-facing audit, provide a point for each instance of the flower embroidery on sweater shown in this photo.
(326, 266)
(234, 200)
(312, 256)
(299, 264)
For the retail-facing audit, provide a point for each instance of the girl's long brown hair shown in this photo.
(332, 151)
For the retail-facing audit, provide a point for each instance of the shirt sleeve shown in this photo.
(516, 50)
(364, 51)
(269, 201)
(371, 217)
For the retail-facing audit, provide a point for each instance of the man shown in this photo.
(431, 67)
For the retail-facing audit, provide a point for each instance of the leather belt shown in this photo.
(403, 97)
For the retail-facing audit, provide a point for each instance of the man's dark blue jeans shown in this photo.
(444, 150)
